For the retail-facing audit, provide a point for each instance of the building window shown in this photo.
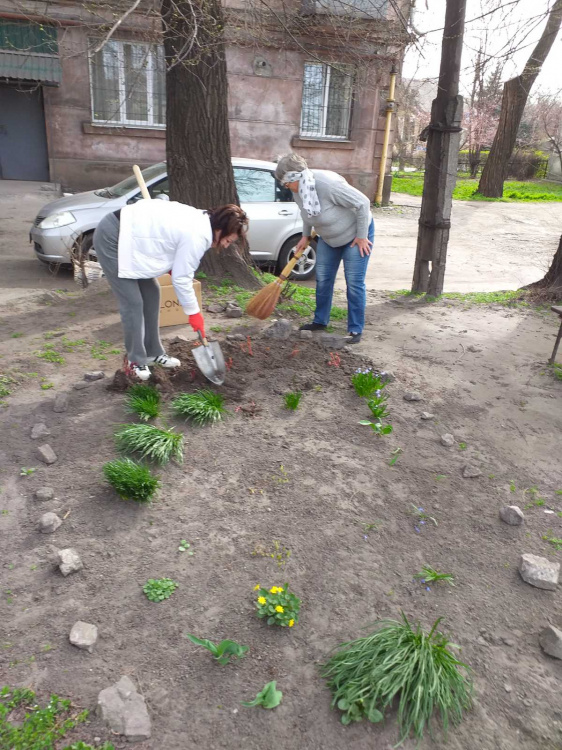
(129, 84)
(327, 95)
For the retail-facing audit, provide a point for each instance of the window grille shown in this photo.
(128, 82)
(327, 96)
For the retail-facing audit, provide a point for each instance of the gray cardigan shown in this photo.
(345, 212)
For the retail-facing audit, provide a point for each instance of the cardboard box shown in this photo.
(171, 312)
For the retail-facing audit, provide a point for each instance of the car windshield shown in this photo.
(130, 183)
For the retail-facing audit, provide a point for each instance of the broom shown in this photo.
(263, 303)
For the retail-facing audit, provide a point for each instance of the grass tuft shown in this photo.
(292, 400)
(401, 665)
(429, 575)
(131, 480)
(150, 442)
(144, 401)
(201, 407)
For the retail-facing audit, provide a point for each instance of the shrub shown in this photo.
(150, 442)
(399, 664)
(201, 407)
(131, 480)
(144, 401)
(279, 605)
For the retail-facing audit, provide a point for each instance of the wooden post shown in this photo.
(441, 159)
(387, 124)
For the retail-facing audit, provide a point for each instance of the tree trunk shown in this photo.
(474, 161)
(515, 95)
(197, 131)
(552, 281)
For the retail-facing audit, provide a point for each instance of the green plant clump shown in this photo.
(279, 605)
(131, 480)
(222, 652)
(401, 665)
(429, 575)
(367, 383)
(158, 589)
(269, 697)
(201, 407)
(144, 401)
(150, 442)
(292, 400)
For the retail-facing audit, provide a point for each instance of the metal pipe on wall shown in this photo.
(384, 155)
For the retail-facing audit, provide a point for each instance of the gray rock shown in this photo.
(551, 641)
(412, 396)
(84, 635)
(39, 430)
(216, 308)
(48, 523)
(70, 561)
(124, 710)
(233, 312)
(512, 515)
(61, 402)
(427, 415)
(447, 440)
(236, 337)
(44, 493)
(179, 339)
(539, 572)
(279, 329)
(333, 341)
(46, 454)
(507, 688)
(470, 471)
(81, 385)
(305, 334)
(472, 348)
(94, 375)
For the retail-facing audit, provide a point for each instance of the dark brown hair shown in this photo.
(229, 219)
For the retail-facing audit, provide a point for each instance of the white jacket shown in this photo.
(157, 237)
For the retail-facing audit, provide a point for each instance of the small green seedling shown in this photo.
(429, 575)
(439, 477)
(222, 652)
(378, 427)
(395, 455)
(463, 446)
(292, 400)
(512, 487)
(150, 442)
(558, 492)
(421, 517)
(185, 547)
(50, 354)
(375, 526)
(555, 542)
(202, 407)
(25, 472)
(269, 697)
(47, 386)
(144, 401)
(17, 335)
(158, 589)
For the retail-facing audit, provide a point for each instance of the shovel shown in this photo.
(209, 359)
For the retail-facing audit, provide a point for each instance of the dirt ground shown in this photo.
(308, 480)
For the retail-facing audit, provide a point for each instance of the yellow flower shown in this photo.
(256, 587)
(279, 608)
(291, 623)
(280, 590)
(274, 590)
(262, 600)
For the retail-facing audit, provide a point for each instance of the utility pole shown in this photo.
(441, 160)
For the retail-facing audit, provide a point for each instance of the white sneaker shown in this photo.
(164, 361)
(141, 371)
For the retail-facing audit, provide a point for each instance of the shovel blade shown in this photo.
(209, 359)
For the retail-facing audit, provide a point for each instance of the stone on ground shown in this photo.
(539, 572)
(412, 396)
(447, 440)
(216, 308)
(124, 710)
(305, 334)
(333, 340)
(427, 415)
(279, 329)
(234, 312)
(39, 430)
(470, 471)
(44, 493)
(179, 339)
(551, 641)
(81, 385)
(84, 635)
(46, 454)
(61, 402)
(512, 515)
(70, 561)
(94, 375)
(48, 523)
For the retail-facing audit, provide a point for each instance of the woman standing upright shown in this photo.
(341, 216)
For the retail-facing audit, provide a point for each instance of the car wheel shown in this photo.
(306, 266)
(83, 247)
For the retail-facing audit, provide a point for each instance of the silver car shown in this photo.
(275, 221)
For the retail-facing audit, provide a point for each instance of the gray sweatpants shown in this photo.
(139, 299)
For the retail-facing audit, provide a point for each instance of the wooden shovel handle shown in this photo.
(142, 183)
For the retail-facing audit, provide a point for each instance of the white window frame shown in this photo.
(123, 120)
(320, 135)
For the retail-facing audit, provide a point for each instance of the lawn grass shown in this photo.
(465, 190)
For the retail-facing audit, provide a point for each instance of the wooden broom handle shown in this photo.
(142, 183)
(286, 272)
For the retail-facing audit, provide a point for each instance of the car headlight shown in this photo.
(54, 221)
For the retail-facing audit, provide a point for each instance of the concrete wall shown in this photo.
(264, 122)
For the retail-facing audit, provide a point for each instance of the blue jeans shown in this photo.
(328, 261)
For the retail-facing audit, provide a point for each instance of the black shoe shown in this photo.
(354, 338)
(312, 327)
